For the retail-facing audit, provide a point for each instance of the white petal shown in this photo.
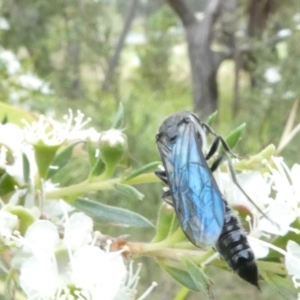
(292, 261)
(43, 236)
(253, 183)
(38, 278)
(99, 272)
(78, 231)
(282, 215)
(259, 250)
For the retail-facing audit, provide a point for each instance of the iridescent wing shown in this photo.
(196, 197)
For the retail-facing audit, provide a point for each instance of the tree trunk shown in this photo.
(203, 61)
(204, 72)
(259, 12)
(113, 63)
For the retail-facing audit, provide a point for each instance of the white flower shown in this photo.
(272, 75)
(292, 262)
(12, 152)
(4, 25)
(32, 82)
(283, 33)
(51, 133)
(52, 267)
(10, 61)
(279, 207)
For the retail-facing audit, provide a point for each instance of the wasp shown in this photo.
(202, 211)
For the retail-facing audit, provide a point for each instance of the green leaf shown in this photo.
(118, 121)
(129, 191)
(7, 184)
(272, 266)
(147, 168)
(180, 276)
(211, 119)
(235, 136)
(61, 159)
(101, 212)
(165, 218)
(98, 168)
(14, 115)
(26, 169)
(200, 279)
(4, 120)
(282, 285)
(44, 156)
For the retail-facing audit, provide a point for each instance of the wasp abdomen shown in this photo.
(233, 246)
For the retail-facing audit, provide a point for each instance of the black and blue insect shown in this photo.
(202, 211)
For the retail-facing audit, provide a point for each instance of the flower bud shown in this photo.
(113, 145)
(164, 222)
(26, 216)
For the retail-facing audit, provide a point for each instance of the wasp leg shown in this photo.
(166, 196)
(218, 139)
(161, 174)
(235, 181)
(216, 163)
(213, 149)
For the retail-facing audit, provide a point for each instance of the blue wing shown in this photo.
(196, 197)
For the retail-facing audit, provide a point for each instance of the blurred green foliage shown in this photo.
(69, 44)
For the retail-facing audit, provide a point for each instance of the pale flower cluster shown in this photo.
(18, 83)
(277, 195)
(56, 258)
(52, 267)
(272, 75)
(16, 142)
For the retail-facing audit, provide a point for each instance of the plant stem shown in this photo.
(97, 184)
(177, 236)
